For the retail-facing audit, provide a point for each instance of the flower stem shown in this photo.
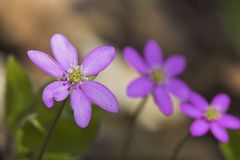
(130, 130)
(50, 131)
(179, 146)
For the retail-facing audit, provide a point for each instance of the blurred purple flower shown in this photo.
(210, 116)
(157, 77)
(75, 79)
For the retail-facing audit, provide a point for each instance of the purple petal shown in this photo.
(191, 111)
(221, 102)
(199, 127)
(46, 63)
(198, 101)
(179, 88)
(64, 52)
(163, 100)
(133, 59)
(98, 59)
(153, 53)
(58, 91)
(81, 107)
(101, 96)
(174, 65)
(140, 87)
(219, 132)
(229, 121)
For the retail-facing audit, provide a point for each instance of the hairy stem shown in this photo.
(130, 130)
(50, 131)
(178, 147)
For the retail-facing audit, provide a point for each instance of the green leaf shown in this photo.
(19, 93)
(67, 140)
(231, 149)
(32, 118)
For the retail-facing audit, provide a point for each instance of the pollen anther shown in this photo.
(211, 114)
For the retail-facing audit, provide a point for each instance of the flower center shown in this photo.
(211, 114)
(157, 75)
(74, 75)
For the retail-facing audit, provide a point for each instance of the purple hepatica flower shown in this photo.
(75, 79)
(157, 77)
(210, 116)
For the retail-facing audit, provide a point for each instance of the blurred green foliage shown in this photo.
(28, 120)
(230, 11)
(231, 150)
(19, 93)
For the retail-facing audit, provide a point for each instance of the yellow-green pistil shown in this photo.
(157, 76)
(211, 114)
(75, 76)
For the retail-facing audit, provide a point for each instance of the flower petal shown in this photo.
(229, 121)
(140, 87)
(133, 59)
(198, 101)
(199, 127)
(153, 53)
(163, 100)
(81, 107)
(46, 63)
(219, 132)
(221, 102)
(179, 88)
(98, 59)
(191, 111)
(64, 52)
(101, 96)
(58, 91)
(174, 65)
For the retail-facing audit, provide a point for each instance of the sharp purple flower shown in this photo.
(74, 79)
(157, 76)
(210, 117)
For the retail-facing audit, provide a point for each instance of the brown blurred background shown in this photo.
(207, 32)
